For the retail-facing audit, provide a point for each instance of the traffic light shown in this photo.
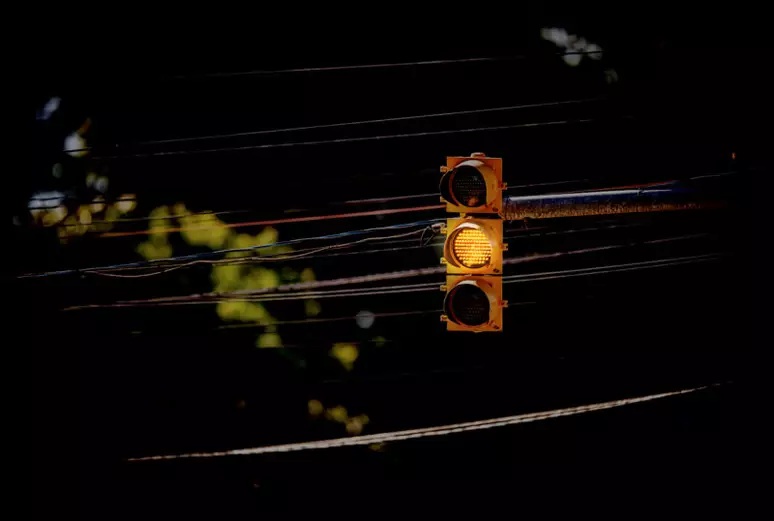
(473, 250)
(473, 303)
(473, 184)
(473, 246)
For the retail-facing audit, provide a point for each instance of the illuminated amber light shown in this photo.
(471, 247)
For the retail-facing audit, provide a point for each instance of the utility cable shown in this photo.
(442, 430)
(206, 299)
(216, 253)
(346, 140)
(371, 66)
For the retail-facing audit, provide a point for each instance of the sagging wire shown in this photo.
(372, 200)
(361, 122)
(370, 66)
(364, 279)
(400, 289)
(612, 268)
(276, 258)
(313, 253)
(290, 220)
(441, 430)
(216, 253)
(361, 139)
(272, 222)
(434, 231)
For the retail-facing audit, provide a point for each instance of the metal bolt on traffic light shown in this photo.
(473, 250)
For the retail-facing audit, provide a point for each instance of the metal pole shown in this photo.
(605, 202)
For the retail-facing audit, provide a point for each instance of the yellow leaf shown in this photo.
(226, 277)
(229, 310)
(354, 426)
(153, 250)
(312, 308)
(37, 214)
(253, 312)
(238, 254)
(158, 239)
(54, 215)
(84, 215)
(100, 226)
(97, 204)
(260, 278)
(346, 354)
(81, 229)
(337, 414)
(126, 203)
(218, 237)
(180, 209)
(315, 408)
(68, 229)
(112, 213)
(307, 275)
(242, 240)
(160, 212)
(267, 236)
(204, 230)
(269, 340)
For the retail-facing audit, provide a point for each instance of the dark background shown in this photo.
(113, 384)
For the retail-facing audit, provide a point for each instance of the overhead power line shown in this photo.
(314, 253)
(530, 277)
(397, 274)
(345, 140)
(270, 222)
(164, 263)
(244, 296)
(216, 253)
(319, 253)
(367, 66)
(360, 122)
(289, 256)
(339, 68)
(441, 430)
(419, 272)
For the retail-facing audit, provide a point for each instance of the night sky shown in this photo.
(117, 383)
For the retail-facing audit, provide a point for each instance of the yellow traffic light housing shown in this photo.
(473, 303)
(473, 251)
(474, 246)
(473, 184)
